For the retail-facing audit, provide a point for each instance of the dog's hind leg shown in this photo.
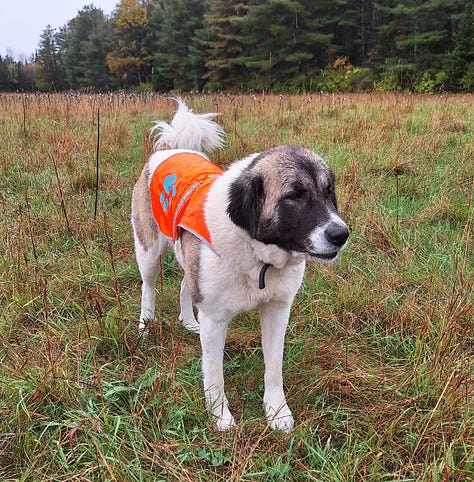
(148, 264)
(149, 246)
(187, 250)
(186, 315)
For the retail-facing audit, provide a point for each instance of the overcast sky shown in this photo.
(22, 21)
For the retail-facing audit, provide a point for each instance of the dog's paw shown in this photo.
(223, 423)
(280, 419)
(146, 322)
(143, 328)
(220, 414)
(190, 323)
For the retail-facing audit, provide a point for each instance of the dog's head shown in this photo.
(286, 197)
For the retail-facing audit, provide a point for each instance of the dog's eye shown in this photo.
(296, 194)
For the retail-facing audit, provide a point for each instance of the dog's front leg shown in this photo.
(213, 334)
(274, 320)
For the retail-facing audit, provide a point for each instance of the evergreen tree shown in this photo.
(179, 61)
(150, 41)
(5, 78)
(459, 64)
(50, 73)
(24, 77)
(286, 42)
(84, 47)
(416, 35)
(197, 54)
(223, 46)
(355, 29)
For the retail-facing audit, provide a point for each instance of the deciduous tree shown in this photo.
(129, 61)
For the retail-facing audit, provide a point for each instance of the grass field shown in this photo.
(379, 357)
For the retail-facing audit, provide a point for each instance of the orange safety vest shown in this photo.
(178, 190)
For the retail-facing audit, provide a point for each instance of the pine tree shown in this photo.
(179, 63)
(84, 47)
(285, 42)
(5, 79)
(223, 45)
(24, 77)
(416, 35)
(50, 73)
(355, 29)
(459, 63)
(150, 43)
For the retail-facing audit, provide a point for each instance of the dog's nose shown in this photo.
(337, 234)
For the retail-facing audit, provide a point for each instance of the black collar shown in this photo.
(261, 276)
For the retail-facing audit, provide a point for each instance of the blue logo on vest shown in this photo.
(169, 191)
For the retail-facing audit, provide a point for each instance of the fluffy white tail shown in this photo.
(189, 131)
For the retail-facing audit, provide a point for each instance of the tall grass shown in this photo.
(379, 353)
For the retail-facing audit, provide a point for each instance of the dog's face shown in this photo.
(286, 197)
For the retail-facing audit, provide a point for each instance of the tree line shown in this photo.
(271, 45)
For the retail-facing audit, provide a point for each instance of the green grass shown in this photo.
(379, 354)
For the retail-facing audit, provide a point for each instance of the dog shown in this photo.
(241, 235)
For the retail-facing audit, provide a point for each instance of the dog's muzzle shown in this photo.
(337, 234)
(328, 241)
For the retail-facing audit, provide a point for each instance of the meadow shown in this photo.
(379, 355)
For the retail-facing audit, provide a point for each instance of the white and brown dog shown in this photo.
(242, 237)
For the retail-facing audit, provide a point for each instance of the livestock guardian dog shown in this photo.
(242, 237)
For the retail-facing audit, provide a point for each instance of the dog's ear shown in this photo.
(246, 195)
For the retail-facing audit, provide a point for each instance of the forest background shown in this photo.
(259, 45)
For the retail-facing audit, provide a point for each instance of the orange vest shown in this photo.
(178, 190)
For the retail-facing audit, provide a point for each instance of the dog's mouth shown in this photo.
(315, 256)
(323, 256)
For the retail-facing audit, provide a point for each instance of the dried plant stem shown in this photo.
(97, 165)
(30, 228)
(61, 195)
(114, 271)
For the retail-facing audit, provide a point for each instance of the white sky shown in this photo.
(22, 21)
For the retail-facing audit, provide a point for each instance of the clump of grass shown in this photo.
(378, 364)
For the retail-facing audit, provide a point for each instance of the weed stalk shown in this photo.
(96, 202)
(61, 195)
